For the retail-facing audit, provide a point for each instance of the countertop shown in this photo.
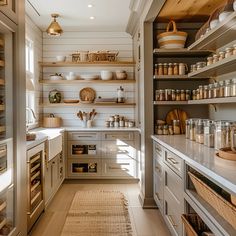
(43, 134)
(202, 158)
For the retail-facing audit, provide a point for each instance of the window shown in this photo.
(30, 85)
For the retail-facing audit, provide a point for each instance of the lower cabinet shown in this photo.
(54, 176)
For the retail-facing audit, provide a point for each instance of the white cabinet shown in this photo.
(9, 8)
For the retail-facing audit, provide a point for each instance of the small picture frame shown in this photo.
(3, 2)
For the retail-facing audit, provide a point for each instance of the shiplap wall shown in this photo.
(68, 43)
(35, 34)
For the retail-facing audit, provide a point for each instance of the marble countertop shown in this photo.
(202, 158)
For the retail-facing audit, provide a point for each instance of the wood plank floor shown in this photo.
(145, 222)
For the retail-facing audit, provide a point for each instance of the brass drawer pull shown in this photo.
(172, 160)
(172, 221)
(118, 168)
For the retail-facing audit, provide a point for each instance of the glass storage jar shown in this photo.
(228, 52)
(221, 55)
(187, 129)
(233, 88)
(205, 92)
(156, 70)
(192, 129)
(197, 94)
(210, 90)
(182, 95)
(199, 135)
(162, 95)
(170, 69)
(176, 69)
(215, 58)
(209, 61)
(194, 95)
(160, 69)
(177, 95)
(165, 130)
(209, 132)
(157, 95)
(227, 88)
(193, 68)
(168, 96)
(159, 129)
(216, 90)
(188, 95)
(176, 126)
(165, 69)
(222, 134)
(171, 131)
(173, 95)
(200, 92)
(221, 88)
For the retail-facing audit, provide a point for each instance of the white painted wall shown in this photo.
(70, 42)
(35, 34)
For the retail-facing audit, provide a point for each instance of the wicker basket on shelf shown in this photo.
(93, 56)
(224, 208)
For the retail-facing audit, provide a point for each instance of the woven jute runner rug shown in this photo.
(98, 213)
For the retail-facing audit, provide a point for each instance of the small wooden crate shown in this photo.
(224, 208)
(52, 122)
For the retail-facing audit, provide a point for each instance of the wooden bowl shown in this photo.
(227, 153)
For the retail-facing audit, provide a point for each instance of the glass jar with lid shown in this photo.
(162, 95)
(200, 92)
(170, 69)
(160, 69)
(176, 126)
(165, 69)
(215, 58)
(156, 70)
(227, 88)
(233, 87)
(210, 90)
(221, 55)
(229, 52)
(199, 136)
(222, 134)
(194, 95)
(176, 69)
(178, 98)
(205, 92)
(187, 95)
(221, 88)
(209, 132)
(165, 130)
(209, 61)
(157, 95)
(197, 94)
(216, 90)
(192, 129)
(182, 95)
(187, 129)
(168, 96)
(173, 95)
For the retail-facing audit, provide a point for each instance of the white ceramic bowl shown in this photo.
(223, 15)
(214, 23)
(56, 77)
(71, 77)
(60, 58)
(106, 75)
(89, 77)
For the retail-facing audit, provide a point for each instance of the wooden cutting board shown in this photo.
(177, 114)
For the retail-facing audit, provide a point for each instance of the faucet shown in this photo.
(31, 112)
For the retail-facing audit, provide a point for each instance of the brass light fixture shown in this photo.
(54, 28)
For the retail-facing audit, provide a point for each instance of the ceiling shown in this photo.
(110, 15)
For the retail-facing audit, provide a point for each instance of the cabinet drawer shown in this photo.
(118, 168)
(83, 136)
(84, 148)
(158, 167)
(173, 183)
(159, 191)
(84, 167)
(174, 162)
(157, 151)
(118, 136)
(118, 149)
(172, 213)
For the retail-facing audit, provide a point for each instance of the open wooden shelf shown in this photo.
(161, 103)
(127, 81)
(224, 66)
(214, 101)
(48, 105)
(87, 63)
(180, 53)
(221, 35)
(177, 78)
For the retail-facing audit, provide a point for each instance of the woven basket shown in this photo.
(193, 224)
(222, 206)
(172, 40)
(93, 56)
(52, 122)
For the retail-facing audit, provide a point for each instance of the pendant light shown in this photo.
(54, 28)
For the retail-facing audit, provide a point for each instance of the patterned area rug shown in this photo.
(100, 213)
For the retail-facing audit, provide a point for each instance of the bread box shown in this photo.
(51, 121)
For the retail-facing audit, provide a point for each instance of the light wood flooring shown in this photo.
(145, 222)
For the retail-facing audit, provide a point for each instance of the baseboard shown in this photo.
(147, 203)
(101, 181)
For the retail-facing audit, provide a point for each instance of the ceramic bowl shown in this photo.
(106, 75)
(214, 23)
(60, 58)
(56, 77)
(71, 77)
(223, 15)
(121, 74)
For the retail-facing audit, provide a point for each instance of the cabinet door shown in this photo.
(159, 191)
(48, 181)
(9, 8)
(55, 173)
